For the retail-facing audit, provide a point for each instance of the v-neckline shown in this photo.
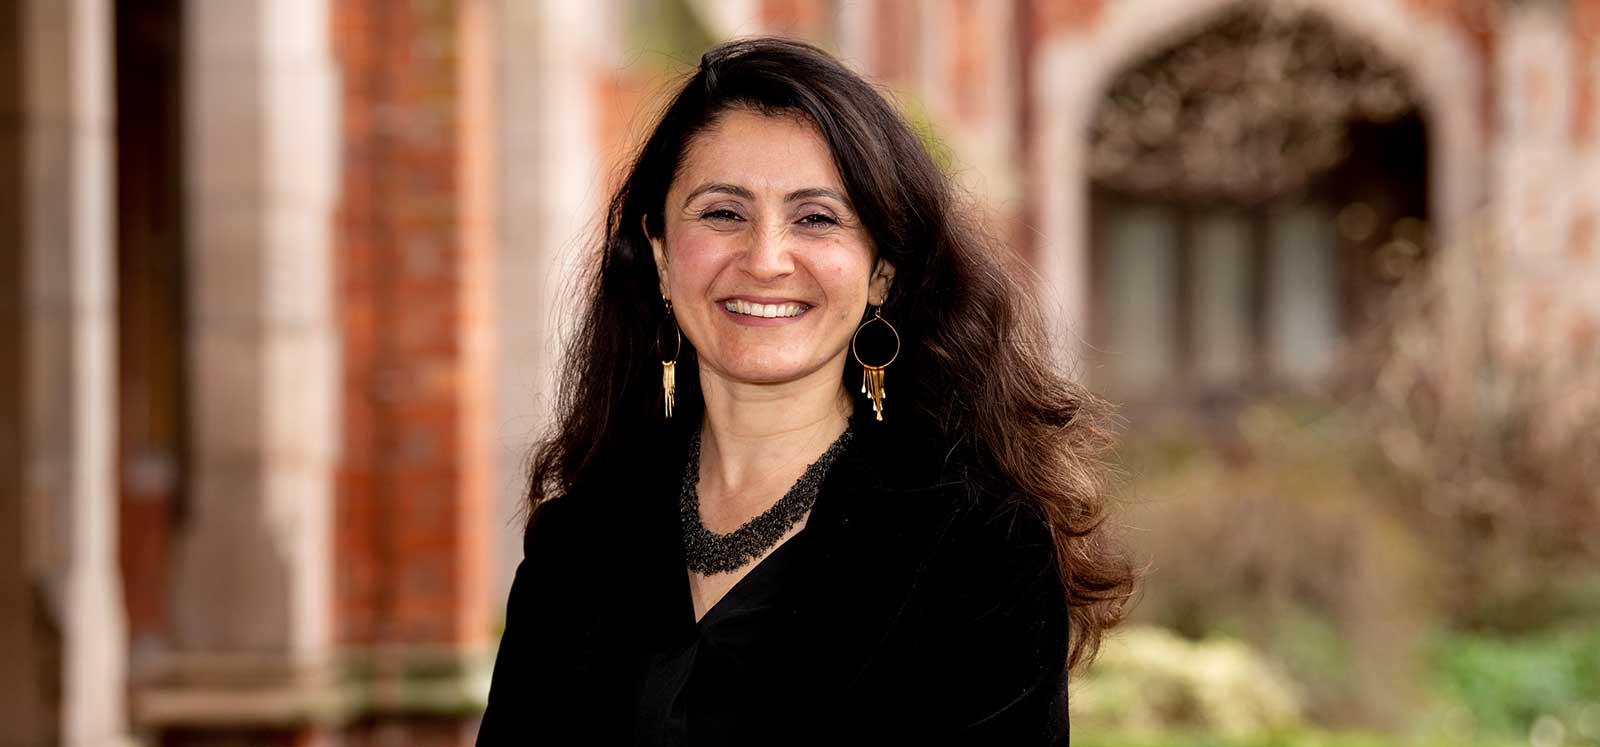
(739, 589)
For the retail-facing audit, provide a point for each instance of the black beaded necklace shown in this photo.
(707, 553)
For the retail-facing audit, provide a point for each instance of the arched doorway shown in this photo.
(1073, 70)
(1229, 244)
(152, 392)
(1255, 188)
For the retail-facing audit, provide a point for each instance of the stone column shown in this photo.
(251, 584)
(62, 641)
(550, 193)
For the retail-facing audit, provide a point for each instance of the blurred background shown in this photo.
(283, 283)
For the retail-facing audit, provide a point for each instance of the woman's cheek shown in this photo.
(696, 252)
(847, 279)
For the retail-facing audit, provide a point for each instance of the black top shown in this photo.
(918, 604)
(707, 682)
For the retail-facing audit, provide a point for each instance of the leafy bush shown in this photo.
(1087, 738)
(1447, 479)
(1281, 528)
(1148, 679)
(1521, 685)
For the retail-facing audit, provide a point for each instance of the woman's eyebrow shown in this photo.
(741, 192)
(722, 187)
(809, 192)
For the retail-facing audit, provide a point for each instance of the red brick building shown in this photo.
(282, 282)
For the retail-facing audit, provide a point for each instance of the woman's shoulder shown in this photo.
(994, 527)
(980, 640)
(922, 461)
(550, 518)
(983, 516)
(1002, 529)
(588, 515)
(996, 568)
(620, 490)
(568, 529)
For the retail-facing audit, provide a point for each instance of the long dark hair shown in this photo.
(985, 380)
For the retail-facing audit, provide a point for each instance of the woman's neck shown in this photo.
(754, 433)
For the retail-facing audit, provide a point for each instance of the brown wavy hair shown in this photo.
(985, 382)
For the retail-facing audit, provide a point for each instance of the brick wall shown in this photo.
(413, 250)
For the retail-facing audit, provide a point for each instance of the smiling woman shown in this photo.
(766, 261)
(776, 561)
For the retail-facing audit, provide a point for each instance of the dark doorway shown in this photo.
(151, 352)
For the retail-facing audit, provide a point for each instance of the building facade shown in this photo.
(282, 282)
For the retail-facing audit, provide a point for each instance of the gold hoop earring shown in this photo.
(872, 376)
(669, 368)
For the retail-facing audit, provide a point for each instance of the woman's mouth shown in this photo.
(765, 310)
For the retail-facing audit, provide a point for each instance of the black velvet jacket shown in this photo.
(932, 611)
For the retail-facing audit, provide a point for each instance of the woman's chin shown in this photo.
(768, 372)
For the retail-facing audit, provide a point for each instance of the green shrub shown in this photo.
(1090, 738)
(1507, 686)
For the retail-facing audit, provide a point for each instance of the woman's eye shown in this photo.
(720, 214)
(819, 219)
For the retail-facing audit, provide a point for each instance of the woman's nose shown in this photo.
(769, 254)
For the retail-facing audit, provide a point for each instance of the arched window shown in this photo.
(1250, 186)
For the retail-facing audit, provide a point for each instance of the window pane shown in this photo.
(1302, 306)
(1222, 298)
(1143, 345)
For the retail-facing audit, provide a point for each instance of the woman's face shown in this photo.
(766, 264)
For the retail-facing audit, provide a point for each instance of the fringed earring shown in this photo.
(669, 368)
(872, 376)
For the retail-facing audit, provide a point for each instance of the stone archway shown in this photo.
(1073, 70)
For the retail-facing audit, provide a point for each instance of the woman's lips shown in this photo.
(767, 309)
(752, 313)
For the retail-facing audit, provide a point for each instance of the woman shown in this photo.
(736, 536)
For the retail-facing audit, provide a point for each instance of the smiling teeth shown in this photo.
(767, 310)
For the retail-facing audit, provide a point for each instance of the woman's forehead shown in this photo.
(760, 153)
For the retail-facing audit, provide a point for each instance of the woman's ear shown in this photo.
(659, 251)
(878, 288)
